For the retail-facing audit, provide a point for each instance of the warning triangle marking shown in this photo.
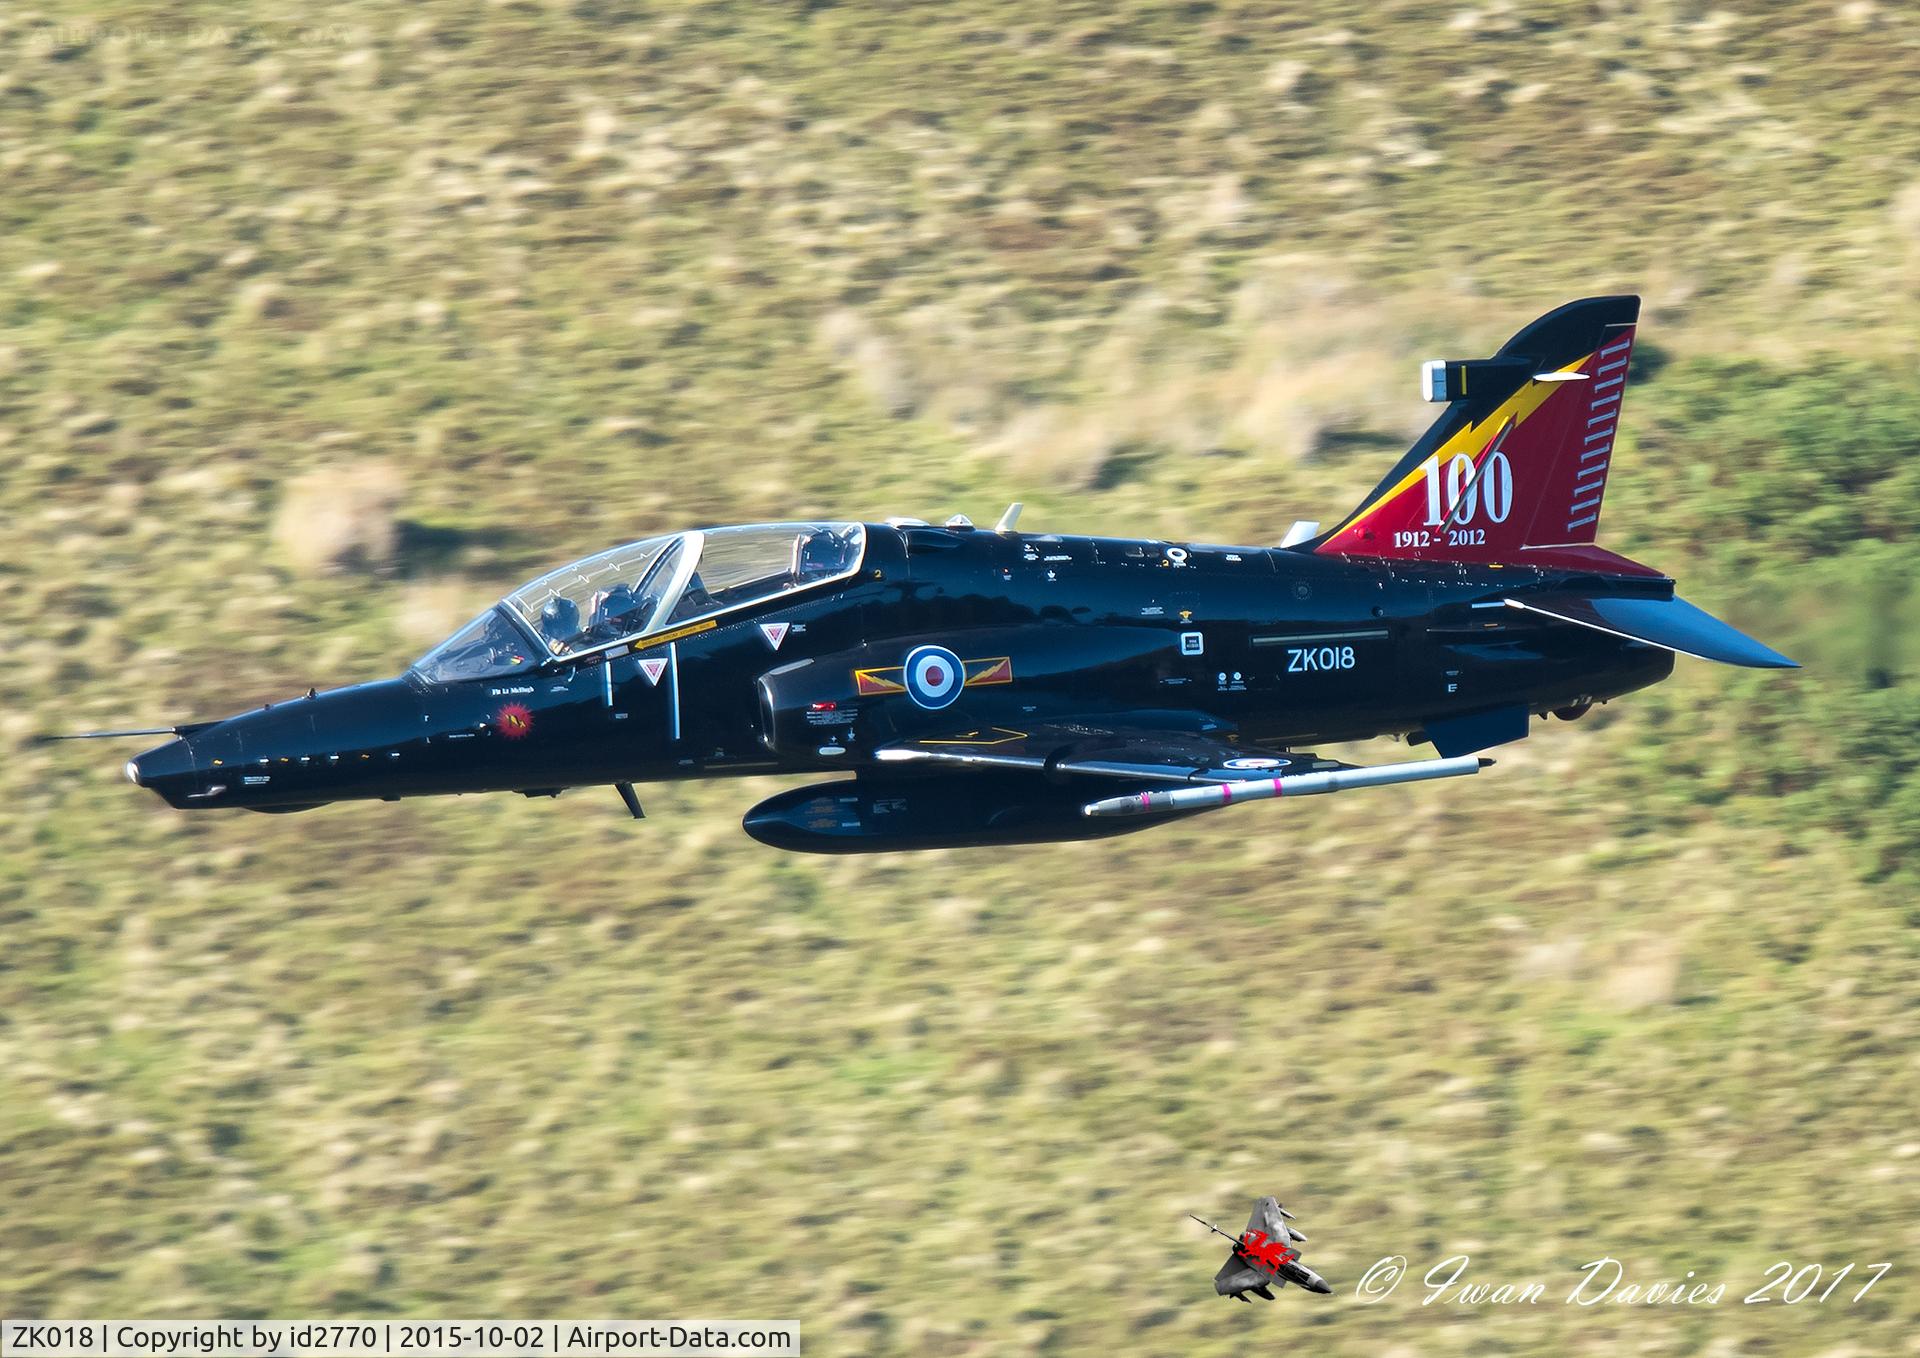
(774, 632)
(653, 669)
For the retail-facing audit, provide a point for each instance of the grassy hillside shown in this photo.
(320, 329)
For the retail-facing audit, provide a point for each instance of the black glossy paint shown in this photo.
(1091, 628)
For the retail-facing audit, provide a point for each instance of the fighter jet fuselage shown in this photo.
(1276, 647)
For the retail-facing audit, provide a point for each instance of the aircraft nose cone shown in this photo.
(163, 761)
(166, 769)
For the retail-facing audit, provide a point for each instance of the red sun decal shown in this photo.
(515, 722)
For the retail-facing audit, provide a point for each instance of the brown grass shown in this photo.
(341, 518)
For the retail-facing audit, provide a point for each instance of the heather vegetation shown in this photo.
(318, 330)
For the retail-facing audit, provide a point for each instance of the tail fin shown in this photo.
(1515, 468)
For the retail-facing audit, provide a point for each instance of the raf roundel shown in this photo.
(934, 676)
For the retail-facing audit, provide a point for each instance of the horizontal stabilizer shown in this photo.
(1671, 623)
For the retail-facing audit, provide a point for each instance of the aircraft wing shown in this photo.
(1110, 749)
(1237, 1275)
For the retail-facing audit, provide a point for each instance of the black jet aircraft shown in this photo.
(1264, 1256)
(968, 686)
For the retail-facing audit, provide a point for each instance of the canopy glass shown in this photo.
(643, 588)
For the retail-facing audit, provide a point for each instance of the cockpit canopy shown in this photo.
(643, 588)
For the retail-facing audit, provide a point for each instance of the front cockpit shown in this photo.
(647, 587)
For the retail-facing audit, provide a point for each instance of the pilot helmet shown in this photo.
(560, 619)
(823, 552)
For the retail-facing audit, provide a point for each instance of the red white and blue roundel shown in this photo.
(934, 676)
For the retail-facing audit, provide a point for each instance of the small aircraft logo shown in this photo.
(515, 722)
(1264, 1256)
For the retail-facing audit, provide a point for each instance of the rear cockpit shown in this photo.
(644, 588)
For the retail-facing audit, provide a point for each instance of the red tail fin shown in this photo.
(1515, 468)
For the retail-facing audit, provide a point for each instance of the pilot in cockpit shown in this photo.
(618, 612)
(821, 552)
(559, 623)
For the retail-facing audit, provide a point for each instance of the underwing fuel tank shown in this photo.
(884, 814)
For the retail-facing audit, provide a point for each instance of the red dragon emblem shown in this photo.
(1273, 1253)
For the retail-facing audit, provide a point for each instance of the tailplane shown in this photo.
(1671, 623)
(1515, 469)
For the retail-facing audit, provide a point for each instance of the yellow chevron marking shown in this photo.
(994, 735)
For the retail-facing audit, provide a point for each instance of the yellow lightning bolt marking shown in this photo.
(1519, 406)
